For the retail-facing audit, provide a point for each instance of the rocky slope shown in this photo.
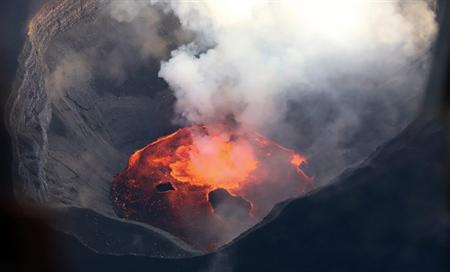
(72, 136)
(29, 108)
(388, 214)
(69, 142)
(104, 234)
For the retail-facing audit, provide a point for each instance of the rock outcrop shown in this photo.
(71, 136)
(69, 142)
(29, 107)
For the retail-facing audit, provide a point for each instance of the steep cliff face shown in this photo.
(388, 214)
(70, 139)
(74, 127)
(29, 108)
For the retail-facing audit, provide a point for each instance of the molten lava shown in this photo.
(214, 161)
(206, 184)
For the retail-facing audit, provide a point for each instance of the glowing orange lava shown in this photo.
(214, 161)
(177, 182)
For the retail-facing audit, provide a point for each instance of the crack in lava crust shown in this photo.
(167, 183)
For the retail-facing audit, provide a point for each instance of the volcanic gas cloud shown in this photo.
(206, 184)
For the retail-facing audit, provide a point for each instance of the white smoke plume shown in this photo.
(251, 56)
(261, 60)
(72, 71)
(332, 78)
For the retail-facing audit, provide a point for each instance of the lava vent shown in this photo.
(206, 184)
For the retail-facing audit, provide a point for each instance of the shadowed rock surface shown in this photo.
(229, 207)
(70, 139)
(29, 108)
(73, 127)
(88, 94)
(389, 214)
(164, 187)
(114, 236)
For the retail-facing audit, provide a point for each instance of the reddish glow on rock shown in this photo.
(214, 161)
(297, 160)
(166, 183)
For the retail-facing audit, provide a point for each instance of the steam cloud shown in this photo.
(260, 60)
(333, 79)
(251, 58)
(114, 49)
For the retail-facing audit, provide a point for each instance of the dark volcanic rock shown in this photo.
(228, 206)
(72, 127)
(164, 187)
(29, 108)
(70, 139)
(389, 214)
(107, 235)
